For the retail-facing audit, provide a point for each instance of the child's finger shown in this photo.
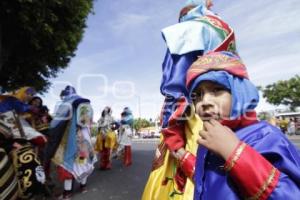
(202, 141)
(203, 134)
(214, 122)
(207, 125)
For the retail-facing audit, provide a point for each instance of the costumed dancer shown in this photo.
(16, 139)
(70, 146)
(199, 31)
(239, 157)
(125, 136)
(106, 139)
(40, 121)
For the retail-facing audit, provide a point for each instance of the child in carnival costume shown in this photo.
(106, 139)
(238, 157)
(125, 136)
(199, 31)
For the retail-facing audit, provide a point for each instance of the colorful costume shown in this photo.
(26, 168)
(164, 181)
(106, 139)
(125, 136)
(40, 120)
(198, 32)
(69, 144)
(17, 102)
(8, 179)
(265, 164)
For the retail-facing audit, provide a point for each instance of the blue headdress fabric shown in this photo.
(127, 117)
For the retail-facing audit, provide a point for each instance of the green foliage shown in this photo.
(284, 92)
(264, 116)
(140, 123)
(38, 39)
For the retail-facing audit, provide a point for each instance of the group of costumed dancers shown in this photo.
(213, 146)
(31, 139)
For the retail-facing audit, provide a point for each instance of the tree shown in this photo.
(284, 92)
(140, 123)
(38, 38)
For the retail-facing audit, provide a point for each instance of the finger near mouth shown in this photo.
(209, 117)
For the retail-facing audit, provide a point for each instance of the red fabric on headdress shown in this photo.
(216, 61)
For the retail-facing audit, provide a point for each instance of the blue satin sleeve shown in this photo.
(286, 189)
(282, 154)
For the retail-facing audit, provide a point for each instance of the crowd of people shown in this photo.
(33, 143)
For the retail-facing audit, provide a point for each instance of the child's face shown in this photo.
(36, 102)
(212, 100)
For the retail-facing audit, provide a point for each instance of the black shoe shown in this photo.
(83, 188)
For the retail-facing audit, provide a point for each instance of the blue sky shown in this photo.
(118, 62)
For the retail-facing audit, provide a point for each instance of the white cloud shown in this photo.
(128, 21)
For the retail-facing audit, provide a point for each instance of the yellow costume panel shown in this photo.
(161, 184)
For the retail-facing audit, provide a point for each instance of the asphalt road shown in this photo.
(296, 140)
(122, 183)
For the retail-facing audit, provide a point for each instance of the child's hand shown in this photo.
(218, 138)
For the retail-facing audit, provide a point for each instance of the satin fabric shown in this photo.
(185, 41)
(173, 80)
(8, 103)
(211, 181)
(196, 12)
(161, 183)
(189, 36)
(23, 92)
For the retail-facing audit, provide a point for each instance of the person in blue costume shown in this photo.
(125, 136)
(199, 31)
(17, 102)
(70, 146)
(238, 157)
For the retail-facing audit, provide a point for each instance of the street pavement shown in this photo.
(127, 183)
(122, 183)
(296, 140)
